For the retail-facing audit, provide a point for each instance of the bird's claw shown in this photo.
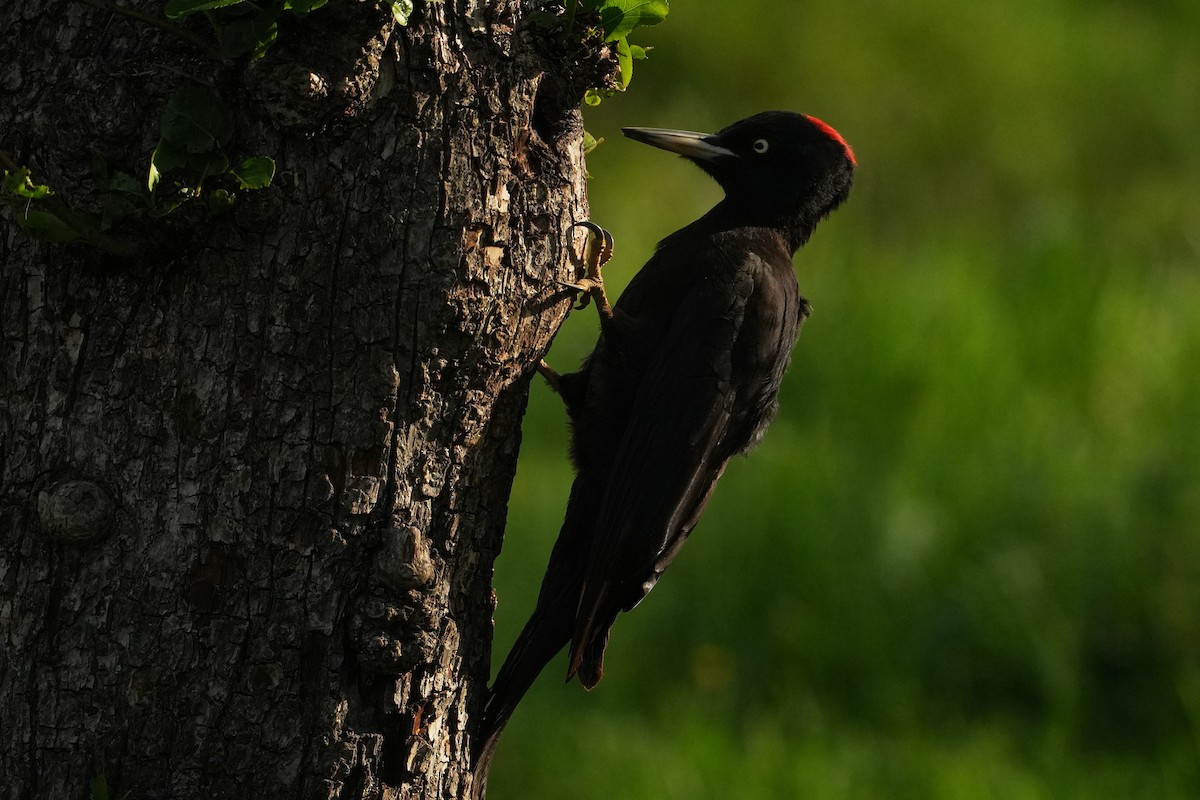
(596, 253)
(594, 258)
(587, 287)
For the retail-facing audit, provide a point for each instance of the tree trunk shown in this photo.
(254, 476)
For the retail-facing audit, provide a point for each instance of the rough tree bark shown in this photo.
(253, 478)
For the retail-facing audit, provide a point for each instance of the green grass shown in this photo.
(966, 561)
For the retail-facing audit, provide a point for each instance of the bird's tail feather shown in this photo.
(587, 653)
(543, 636)
(547, 631)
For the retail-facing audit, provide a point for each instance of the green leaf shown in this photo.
(46, 225)
(592, 97)
(34, 191)
(220, 200)
(124, 183)
(266, 41)
(14, 179)
(253, 34)
(625, 60)
(165, 158)
(254, 173)
(619, 18)
(401, 10)
(206, 164)
(181, 8)
(165, 206)
(195, 119)
(168, 157)
(19, 183)
(302, 6)
(590, 142)
(99, 787)
(126, 196)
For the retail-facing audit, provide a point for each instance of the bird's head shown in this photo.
(777, 168)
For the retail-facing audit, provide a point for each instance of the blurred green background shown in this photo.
(965, 563)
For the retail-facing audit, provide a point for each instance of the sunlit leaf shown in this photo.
(625, 60)
(165, 158)
(254, 173)
(168, 157)
(302, 6)
(18, 182)
(619, 18)
(401, 10)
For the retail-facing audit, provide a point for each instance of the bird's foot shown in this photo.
(596, 253)
(551, 375)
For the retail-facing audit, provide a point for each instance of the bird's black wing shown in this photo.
(670, 456)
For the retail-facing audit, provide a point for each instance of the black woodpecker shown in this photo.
(684, 376)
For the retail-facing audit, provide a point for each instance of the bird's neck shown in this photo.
(793, 226)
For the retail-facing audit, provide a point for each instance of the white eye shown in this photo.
(760, 146)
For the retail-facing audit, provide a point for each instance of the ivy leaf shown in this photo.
(254, 173)
(196, 121)
(619, 18)
(181, 8)
(401, 10)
